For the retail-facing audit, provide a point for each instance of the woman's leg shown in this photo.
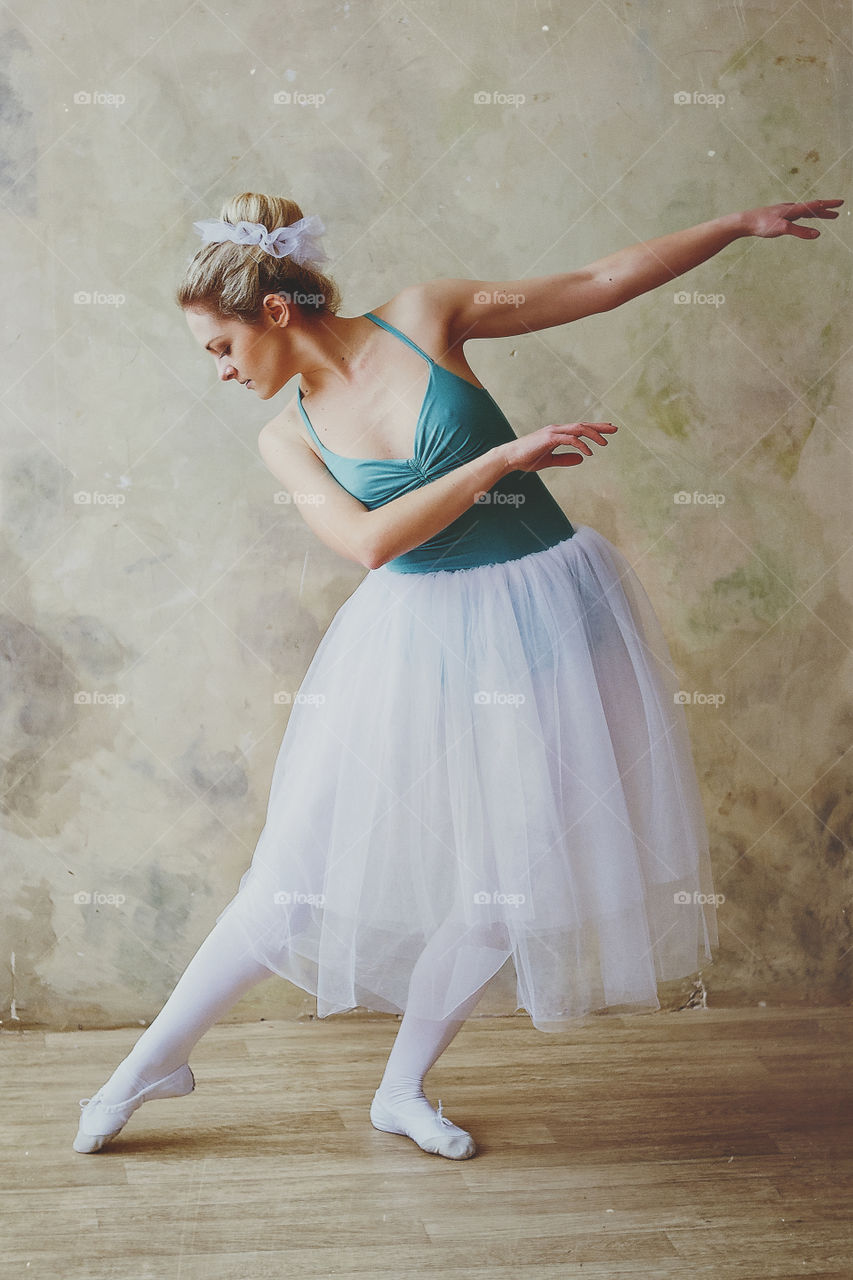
(420, 1042)
(220, 972)
(418, 1045)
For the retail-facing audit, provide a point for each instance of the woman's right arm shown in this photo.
(373, 537)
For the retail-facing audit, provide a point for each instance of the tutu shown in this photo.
(496, 752)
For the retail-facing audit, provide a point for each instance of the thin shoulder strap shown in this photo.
(307, 420)
(393, 329)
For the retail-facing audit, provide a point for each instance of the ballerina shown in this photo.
(486, 765)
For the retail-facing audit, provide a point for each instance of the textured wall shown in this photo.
(181, 598)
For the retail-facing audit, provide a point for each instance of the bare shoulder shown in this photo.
(292, 460)
(426, 313)
(284, 429)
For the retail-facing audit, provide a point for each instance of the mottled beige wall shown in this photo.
(188, 592)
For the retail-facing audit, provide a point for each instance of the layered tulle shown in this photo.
(499, 753)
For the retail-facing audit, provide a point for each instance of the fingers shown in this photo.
(808, 209)
(594, 435)
(815, 209)
(802, 232)
(570, 434)
(577, 444)
(823, 208)
(594, 430)
(578, 426)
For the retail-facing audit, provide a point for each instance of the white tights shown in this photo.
(222, 970)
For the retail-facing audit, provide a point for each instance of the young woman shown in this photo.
(486, 764)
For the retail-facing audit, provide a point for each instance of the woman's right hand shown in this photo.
(535, 451)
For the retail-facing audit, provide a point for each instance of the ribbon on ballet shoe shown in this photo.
(105, 1106)
(462, 1144)
(432, 1131)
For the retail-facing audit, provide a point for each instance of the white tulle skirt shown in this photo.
(497, 753)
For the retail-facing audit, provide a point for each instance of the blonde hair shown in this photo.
(231, 280)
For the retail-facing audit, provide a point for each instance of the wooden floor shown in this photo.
(704, 1143)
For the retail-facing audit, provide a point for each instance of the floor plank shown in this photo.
(708, 1143)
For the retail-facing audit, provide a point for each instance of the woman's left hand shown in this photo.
(779, 219)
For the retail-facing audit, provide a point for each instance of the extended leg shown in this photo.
(220, 972)
(400, 1105)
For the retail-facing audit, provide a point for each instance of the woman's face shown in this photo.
(254, 355)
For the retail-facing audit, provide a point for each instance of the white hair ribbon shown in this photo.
(299, 241)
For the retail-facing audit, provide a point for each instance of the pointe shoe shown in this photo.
(436, 1135)
(101, 1121)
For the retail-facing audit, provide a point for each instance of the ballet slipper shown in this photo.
(435, 1134)
(101, 1121)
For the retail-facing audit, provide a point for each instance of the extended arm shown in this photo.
(499, 309)
(629, 272)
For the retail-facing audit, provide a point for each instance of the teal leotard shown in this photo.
(457, 422)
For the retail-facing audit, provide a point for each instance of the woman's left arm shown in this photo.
(645, 266)
(498, 309)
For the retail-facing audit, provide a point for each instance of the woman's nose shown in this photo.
(227, 373)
